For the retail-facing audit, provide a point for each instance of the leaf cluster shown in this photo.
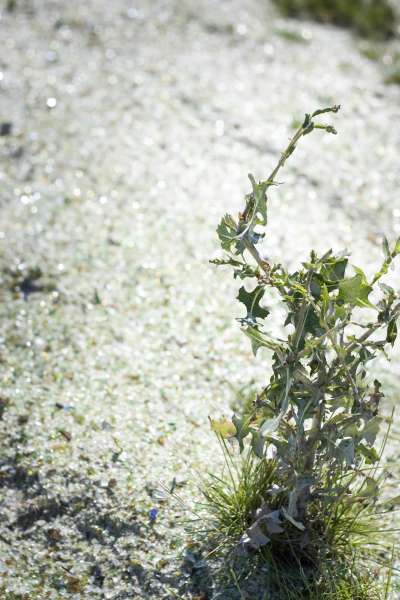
(319, 413)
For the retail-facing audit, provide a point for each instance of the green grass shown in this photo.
(338, 563)
(370, 18)
(232, 499)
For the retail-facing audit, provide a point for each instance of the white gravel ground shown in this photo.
(133, 129)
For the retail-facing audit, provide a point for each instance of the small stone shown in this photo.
(153, 514)
(23, 419)
(5, 128)
(51, 102)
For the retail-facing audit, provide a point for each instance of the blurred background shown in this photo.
(126, 130)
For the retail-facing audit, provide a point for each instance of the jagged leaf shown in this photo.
(227, 232)
(334, 270)
(355, 291)
(251, 300)
(260, 201)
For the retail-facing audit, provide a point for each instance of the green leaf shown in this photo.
(355, 291)
(245, 271)
(333, 270)
(347, 450)
(396, 250)
(385, 248)
(391, 332)
(227, 260)
(242, 430)
(270, 425)
(388, 291)
(257, 443)
(259, 340)
(382, 271)
(251, 300)
(260, 201)
(370, 454)
(227, 232)
(371, 430)
(241, 269)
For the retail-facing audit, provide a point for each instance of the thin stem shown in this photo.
(303, 130)
(371, 330)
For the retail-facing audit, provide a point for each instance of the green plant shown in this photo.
(318, 416)
(235, 499)
(370, 18)
(332, 567)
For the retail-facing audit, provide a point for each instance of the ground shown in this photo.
(132, 130)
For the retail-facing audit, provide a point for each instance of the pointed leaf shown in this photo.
(270, 426)
(227, 232)
(257, 443)
(251, 300)
(259, 339)
(391, 332)
(371, 430)
(260, 201)
(242, 430)
(370, 454)
(385, 248)
(355, 291)
(295, 523)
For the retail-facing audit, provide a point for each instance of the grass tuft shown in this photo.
(233, 499)
(337, 563)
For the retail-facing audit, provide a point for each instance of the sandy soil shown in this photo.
(133, 128)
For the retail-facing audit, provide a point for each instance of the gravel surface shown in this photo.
(127, 130)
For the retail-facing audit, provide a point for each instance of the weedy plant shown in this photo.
(306, 497)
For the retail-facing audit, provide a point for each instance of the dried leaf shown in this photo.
(223, 427)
